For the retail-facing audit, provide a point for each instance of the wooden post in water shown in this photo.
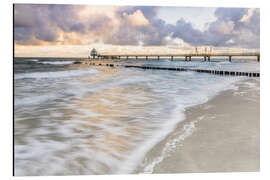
(171, 57)
(258, 58)
(189, 58)
(146, 57)
(185, 58)
(127, 57)
(230, 58)
(204, 58)
(136, 57)
(209, 58)
(158, 57)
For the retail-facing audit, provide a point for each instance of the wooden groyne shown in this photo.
(216, 72)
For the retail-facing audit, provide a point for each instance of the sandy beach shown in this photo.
(222, 135)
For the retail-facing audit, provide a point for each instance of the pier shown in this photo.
(186, 56)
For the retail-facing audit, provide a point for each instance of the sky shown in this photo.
(51, 30)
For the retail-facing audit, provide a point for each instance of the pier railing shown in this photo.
(185, 54)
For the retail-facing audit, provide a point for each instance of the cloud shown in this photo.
(57, 24)
(224, 28)
(32, 24)
(23, 16)
(136, 19)
(130, 25)
(151, 33)
(150, 12)
(228, 30)
(230, 14)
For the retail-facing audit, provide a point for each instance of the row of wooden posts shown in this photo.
(187, 58)
(217, 72)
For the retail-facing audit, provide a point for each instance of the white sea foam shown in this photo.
(33, 100)
(33, 60)
(132, 161)
(188, 129)
(57, 62)
(56, 74)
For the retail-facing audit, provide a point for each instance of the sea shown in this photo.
(82, 120)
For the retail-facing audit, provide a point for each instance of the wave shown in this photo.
(33, 60)
(57, 62)
(55, 74)
(118, 119)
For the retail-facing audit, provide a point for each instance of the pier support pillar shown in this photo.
(230, 58)
(189, 58)
(146, 57)
(209, 58)
(185, 58)
(258, 58)
(171, 57)
(204, 58)
(158, 57)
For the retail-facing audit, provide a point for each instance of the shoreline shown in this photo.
(221, 135)
(204, 138)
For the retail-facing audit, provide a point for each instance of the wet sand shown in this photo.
(222, 135)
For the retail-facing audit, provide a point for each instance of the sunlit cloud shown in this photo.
(136, 19)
